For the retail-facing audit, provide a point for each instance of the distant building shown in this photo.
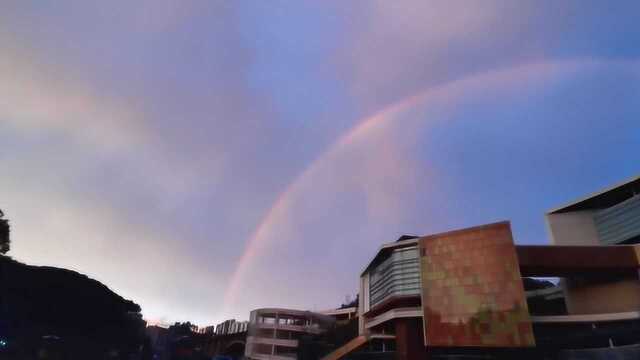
(226, 339)
(341, 315)
(274, 334)
(231, 327)
(209, 330)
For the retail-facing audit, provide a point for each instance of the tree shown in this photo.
(4, 234)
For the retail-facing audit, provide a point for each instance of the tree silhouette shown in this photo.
(4, 234)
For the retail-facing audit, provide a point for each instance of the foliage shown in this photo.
(182, 329)
(352, 303)
(4, 234)
(79, 314)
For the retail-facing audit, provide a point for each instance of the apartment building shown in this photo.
(274, 334)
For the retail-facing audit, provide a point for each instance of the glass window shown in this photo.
(267, 320)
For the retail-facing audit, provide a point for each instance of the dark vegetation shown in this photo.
(180, 341)
(81, 315)
(4, 234)
(313, 347)
(352, 303)
(54, 313)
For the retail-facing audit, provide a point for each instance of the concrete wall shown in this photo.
(574, 228)
(363, 302)
(599, 298)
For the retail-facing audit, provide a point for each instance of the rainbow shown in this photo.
(450, 91)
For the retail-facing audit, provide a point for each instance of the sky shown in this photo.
(208, 158)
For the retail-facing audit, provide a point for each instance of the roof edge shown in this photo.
(592, 195)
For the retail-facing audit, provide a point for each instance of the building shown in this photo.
(226, 339)
(463, 286)
(209, 330)
(469, 291)
(342, 315)
(274, 334)
(609, 217)
(231, 327)
(390, 290)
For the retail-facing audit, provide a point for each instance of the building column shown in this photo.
(275, 333)
(410, 339)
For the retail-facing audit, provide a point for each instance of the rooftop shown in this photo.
(603, 199)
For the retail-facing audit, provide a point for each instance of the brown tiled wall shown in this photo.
(472, 289)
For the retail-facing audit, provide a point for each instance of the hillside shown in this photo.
(81, 314)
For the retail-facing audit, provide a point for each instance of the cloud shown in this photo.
(39, 100)
(141, 262)
(148, 140)
(397, 49)
(94, 180)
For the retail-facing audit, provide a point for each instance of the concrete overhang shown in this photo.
(587, 318)
(386, 249)
(602, 199)
(562, 261)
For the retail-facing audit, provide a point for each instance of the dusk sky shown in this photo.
(207, 158)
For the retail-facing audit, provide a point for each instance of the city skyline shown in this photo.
(188, 153)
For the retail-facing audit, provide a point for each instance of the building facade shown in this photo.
(609, 217)
(342, 315)
(471, 290)
(464, 287)
(231, 326)
(274, 334)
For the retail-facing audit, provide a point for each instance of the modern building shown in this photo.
(469, 291)
(463, 286)
(342, 315)
(609, 217)
(473, 292)
(274, 334)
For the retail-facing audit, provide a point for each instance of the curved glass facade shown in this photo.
(397, 275)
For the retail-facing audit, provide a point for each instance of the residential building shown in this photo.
(274, 334)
